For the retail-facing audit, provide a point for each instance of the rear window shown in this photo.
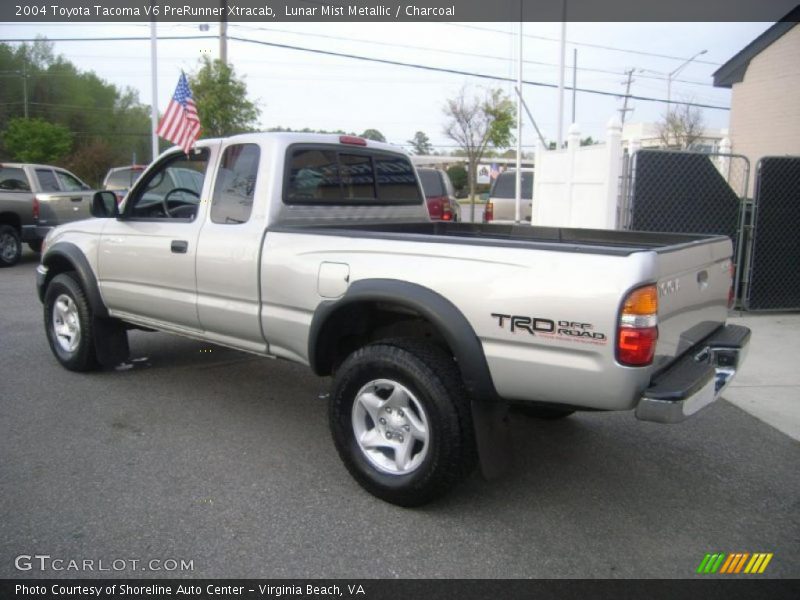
(13, 179)
(334, 175)
(122, 179)
(431, 183)
(504, 186)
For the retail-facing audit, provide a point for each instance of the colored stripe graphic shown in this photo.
(734, 563)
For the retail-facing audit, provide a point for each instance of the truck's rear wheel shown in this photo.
(10, 246)
(68, 322)
(400, 419)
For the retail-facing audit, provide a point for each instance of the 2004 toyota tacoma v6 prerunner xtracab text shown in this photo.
(318, 249)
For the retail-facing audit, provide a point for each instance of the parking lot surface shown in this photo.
(203, 454)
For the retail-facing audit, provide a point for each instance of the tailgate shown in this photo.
(57, 208)
(693, 287)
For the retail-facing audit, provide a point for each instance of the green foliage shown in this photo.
(421, 143)
(221, 99)
(93, 111)
(475, 123)
(458, 176)
(373, 134)
(36, 140)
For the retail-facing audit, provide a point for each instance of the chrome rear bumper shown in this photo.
(696, 379)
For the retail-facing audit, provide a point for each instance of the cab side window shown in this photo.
(47, 181)
(171, 190)
(232, 202)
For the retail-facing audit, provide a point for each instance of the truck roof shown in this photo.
(287, 138)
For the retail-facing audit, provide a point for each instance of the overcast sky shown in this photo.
(299, 89)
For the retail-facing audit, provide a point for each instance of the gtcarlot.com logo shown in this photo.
(735, 563)
(45, 562)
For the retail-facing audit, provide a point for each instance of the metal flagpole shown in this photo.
(518, 179)
(154, 85)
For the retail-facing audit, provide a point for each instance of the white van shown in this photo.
(502, 197)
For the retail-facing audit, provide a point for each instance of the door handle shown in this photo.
(76, 198)
(180, 246)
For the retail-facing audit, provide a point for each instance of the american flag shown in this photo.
(180, 124)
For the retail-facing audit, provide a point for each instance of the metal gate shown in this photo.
(688, 192)
(774, 260)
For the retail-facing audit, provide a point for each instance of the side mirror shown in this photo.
(104, 205)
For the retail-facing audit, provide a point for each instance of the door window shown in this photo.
(47, 181)
(171, 190)
(68, 182)
(232, 202)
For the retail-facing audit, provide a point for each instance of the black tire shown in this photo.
(66, 290)
(10, 246)
(546, 413)
(36, 246)
(433, 379)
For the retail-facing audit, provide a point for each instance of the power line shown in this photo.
(380, 61)
(586, 44)
(455, 52)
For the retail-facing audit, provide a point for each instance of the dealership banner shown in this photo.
(76, 11)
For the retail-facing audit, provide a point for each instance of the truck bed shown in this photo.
(562, 239)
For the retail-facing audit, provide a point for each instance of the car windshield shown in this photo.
(122, 179)
(431, 183)
(504, 186)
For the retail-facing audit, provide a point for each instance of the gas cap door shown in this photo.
(333, 279)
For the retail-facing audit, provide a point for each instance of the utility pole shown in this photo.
(624, 110)
(574, 80)
(560, 136)
(154, 84)
(518, 174)
(25, 85)
(223, 33)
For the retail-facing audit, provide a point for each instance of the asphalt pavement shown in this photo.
(203, 454)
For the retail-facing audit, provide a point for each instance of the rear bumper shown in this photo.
(33, 233)
(697, 379)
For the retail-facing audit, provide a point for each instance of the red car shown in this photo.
(439, 194)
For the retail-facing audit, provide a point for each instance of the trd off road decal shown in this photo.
(572, 331)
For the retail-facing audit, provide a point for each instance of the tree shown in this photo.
(474, 123)
(373, 134)
(221, 99)
(421, 143)
(36, 140)
(458, 176)
(681, 128)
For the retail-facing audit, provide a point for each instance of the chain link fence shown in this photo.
(773, 281)
(687, 192)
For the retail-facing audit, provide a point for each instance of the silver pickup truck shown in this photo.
(318, 249)
(33, 200)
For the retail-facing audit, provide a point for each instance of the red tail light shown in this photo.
(447, 211)
(638, 327)
(352, 140)
(488, 212)
(35, 208)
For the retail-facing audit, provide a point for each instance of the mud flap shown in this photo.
(492, 436)
(110, 342)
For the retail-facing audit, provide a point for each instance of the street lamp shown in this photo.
(675, 72)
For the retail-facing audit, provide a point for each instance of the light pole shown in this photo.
(672, 74)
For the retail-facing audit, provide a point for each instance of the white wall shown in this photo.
(578, 186)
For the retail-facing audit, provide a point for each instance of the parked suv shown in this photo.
(503, 194)
(440, 194)
(33, 200)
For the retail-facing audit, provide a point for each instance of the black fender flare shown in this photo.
(438, 310)
(489, 411)
(74, 256)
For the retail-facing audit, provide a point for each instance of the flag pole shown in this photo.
(154, 85)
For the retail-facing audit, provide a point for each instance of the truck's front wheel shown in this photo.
(68, 322)
(400, 420)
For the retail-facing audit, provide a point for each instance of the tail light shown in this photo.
(447, 211)
(731, 290)
(488, 212)
(638, 327)
(35, 208)
(352, 140)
